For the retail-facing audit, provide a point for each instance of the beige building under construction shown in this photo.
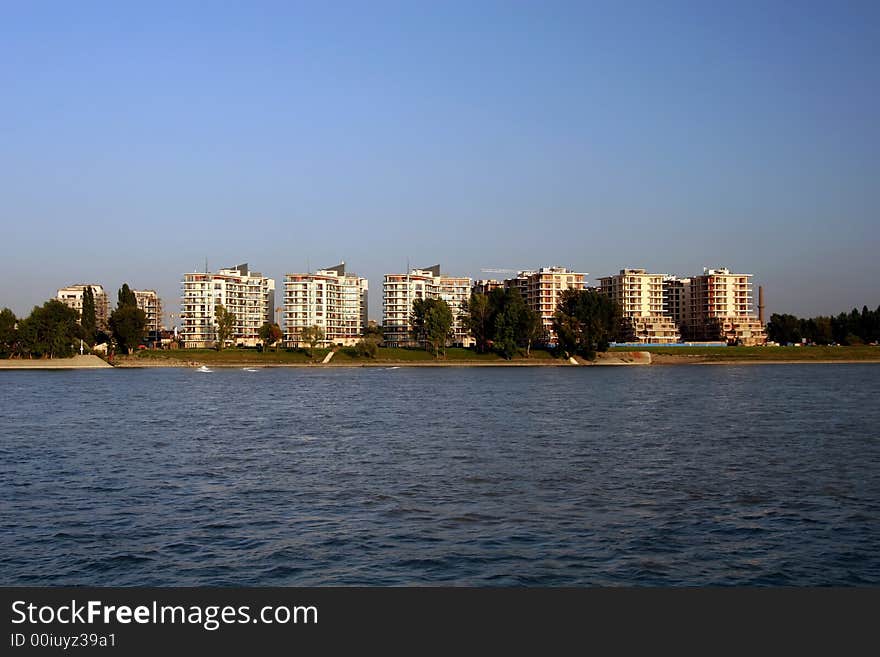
(72, 296)
(151, 304)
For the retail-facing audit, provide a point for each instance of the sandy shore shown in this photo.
(74, 363)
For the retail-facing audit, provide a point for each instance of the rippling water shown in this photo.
(481, 476)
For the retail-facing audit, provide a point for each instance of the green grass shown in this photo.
(344, 355)
(282, 356)
(765, 353)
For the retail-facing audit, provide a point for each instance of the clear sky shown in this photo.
(137, 139)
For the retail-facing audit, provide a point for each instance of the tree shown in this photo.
(225, 324)
(784, 329)
(373, 331)
(367, 347)
(585, 322)
(532, 329)
(88, 319)
(8, 333)
(508, 311)
(270, 334)
(51, 330)
(128, 323)
(125, 297)
(312, 336)
(478, 317)
(432, 323)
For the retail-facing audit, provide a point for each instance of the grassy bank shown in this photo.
(345, 356)
(760, 354)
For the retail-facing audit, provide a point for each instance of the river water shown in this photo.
(692, 475)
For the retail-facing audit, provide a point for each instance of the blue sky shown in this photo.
(137, 140)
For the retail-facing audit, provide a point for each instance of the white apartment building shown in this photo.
(642, 300)
(540, 289)
(332, 299)
(401, 290)
(248, 295)
(151, 304)
(72, 296)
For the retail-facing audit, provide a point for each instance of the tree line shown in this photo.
(852, 328)
(584, 322)
(54, 330)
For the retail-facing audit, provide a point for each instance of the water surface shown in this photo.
(482, 476)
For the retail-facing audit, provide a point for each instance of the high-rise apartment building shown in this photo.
(720, 307)
(401, 290)
(72, 296)
(641, 297)
(151, 304)
(248, 295)
(332, 299)
(676, 298)
(540, 289)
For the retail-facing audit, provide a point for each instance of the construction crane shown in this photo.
(489, 270)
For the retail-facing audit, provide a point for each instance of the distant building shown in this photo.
(333, 299)
(541, 289)
(151, 304)
(72, 296)
(719, 306)
(401, 290)
(486, 285)
(676, 298)
(641, 297)
(248, 295)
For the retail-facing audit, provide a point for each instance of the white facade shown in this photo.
(400, 292)
(249, 296)
(331, 299)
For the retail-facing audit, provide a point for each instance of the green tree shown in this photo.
(784, 329)
(225, 320)
(432, 323)
(367, 347)
(128, 326)
(8, 333)
(270, 333)
(531, 329)
(312, 336)
(509, 310)
(51, 330)
(373, 331)
(585, 322)
(479, 319)
(88, 319)
(128, 323)
(125, 297)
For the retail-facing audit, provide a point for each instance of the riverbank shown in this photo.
(762, 355)
(85, 362)
(192, 358)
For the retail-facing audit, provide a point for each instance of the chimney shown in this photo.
(761, 304)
